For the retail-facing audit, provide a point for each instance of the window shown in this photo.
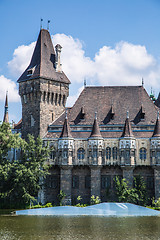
(75, 182)
(114, 151)
(127, 154)
(52, 154)
(52, 96)
(44, 96)
(142, 153)
(80, 154)
(65, 154)
(53, 182)
(108, 153)
(105, 182)
(95, 152)
(87, 181)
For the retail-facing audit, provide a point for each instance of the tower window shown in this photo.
(48, 96)
(44, 96)
(56, 99)
(63, 102)
(52, 98)
(59, 99)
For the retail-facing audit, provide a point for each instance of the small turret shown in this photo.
(66, 144)
(127, 144)
(95, 144)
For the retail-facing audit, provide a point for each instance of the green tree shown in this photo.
(136, 194)
(19, 179)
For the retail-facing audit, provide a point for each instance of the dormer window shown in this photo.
(30, 71)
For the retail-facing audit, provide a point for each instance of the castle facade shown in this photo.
(110, 131)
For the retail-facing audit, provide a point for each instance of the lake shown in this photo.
(49, 227)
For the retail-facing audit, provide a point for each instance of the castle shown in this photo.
(110, 131)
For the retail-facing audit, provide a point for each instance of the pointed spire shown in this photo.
(95, 129)
(43, 61)
(156, 132)
(6, 118)
(127, 130)
(142, 82)
(66, 131)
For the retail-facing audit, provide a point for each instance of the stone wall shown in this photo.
(42, 102)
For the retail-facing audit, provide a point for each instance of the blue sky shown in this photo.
(113, 42)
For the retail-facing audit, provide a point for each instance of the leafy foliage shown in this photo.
(95, 200)
(19, 179)
(136, 195)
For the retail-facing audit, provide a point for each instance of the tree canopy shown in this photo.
(19, 178)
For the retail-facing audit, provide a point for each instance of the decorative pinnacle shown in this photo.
(95, 115)
(142, 82)
(128, 114)
(84, 83)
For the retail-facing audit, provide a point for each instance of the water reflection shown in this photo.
(48, 228)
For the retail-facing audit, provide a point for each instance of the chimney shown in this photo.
(58, 55)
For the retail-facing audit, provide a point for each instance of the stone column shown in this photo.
(128, 174)
(157, 181)
(96, 181)
(66, 183)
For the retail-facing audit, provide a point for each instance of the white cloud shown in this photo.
(125, 64)
(21, 58)
(10, 86)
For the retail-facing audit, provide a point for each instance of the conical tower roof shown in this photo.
(66, 131)
(95, 129)
(42, 64)
(6, 118)
(127, 130)
(156, 132)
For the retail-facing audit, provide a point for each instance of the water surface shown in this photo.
(96, 228)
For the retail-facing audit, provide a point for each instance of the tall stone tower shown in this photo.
(43, 87)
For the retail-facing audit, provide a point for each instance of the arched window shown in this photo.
(80, 153)
(142, 153)
(95, 152)
(114, 153)
(108, 153)
(52, 154)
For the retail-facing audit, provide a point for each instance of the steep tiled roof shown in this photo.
(127, 130)
(43, 61)
(121, 98)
